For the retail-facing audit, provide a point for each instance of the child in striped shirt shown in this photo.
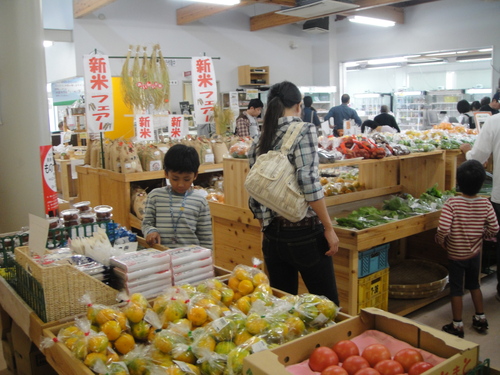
(177, 215)
(465, 220)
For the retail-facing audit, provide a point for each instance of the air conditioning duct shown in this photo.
(318, 25)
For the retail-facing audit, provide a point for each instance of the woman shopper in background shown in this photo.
(309, 113)
(305, 246)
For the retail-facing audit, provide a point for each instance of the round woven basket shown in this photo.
(414, 278)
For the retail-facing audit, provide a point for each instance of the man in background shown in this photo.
(385, 118)
(493, 106)
(246, 123)
(340, 113)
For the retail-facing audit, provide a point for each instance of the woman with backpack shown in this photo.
(466, 116)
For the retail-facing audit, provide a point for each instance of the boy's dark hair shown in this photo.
(485, 101)
(256, 103)
(470, 177)
(181, 158)
(463, 106)
(475, 105)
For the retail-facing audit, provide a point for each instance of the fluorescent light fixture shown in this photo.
(372, 21)
(478, 91)
(485, 50)
(218, 2)
(48, 43)
(462, 52)
(429, 63)
(441, 54)
(474, 60)
(383, 67)
(351, 64)
(389, 60)
(408, 93)
(411, 56)
(319, 8)
(366, 96)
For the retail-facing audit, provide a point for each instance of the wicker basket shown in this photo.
(414, 278)
(63, 286)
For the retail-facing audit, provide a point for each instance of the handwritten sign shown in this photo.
(144, 126)
(98, 93)
(49, 181)
(204, 89)
(177, 126)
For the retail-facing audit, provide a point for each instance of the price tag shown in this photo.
(259, 346)
(219, 324)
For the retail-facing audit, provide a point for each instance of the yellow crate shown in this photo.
(373, 290)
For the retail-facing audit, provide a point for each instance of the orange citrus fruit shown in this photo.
(125, 343)
(197, 315)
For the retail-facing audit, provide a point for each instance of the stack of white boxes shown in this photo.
(145, 271)
(191, 264)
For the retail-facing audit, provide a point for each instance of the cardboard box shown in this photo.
(5, 323)
(29, 360)
(461, 355)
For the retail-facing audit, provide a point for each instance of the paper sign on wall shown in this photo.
(204, 89)
(177, 127)
(98, 93)
(144, 127)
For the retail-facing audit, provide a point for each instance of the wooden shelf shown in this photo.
(253, 75)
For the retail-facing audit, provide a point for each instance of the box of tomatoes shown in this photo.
(448, 355)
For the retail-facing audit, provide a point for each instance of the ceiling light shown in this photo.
(351, 64)
(478, 91)
(474, 60)
(389, 60)
(485, 50)
(319, 8)
(462, 52)
(383, 67)
(219, 2)
(411, 56)
(372, 21)
(429, 63)
(48, 43)
(441, 54)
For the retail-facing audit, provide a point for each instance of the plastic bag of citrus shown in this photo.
(171, 305)
(217, 289)
(212, 363)
(110, 320)
(244, 279)
(113, 368)
(315, 311)
(203, 308)
(236, 356)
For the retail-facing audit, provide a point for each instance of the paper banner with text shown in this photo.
(204, 89)
(49, 181)
(98, 93)
(144, 128)
(177, 126)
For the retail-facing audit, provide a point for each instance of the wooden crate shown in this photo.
(235, 172)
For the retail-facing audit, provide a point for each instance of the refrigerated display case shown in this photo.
(323, 98)
(368, 104)
(410, 109)
(443, 104)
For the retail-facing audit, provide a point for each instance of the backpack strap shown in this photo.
(291, 134)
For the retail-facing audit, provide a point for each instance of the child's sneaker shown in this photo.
(481, 325)
(452, 330)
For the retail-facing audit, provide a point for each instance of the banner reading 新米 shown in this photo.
(98, 93)
(204, 89)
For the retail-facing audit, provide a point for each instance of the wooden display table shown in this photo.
(237, 236)
(64, 177)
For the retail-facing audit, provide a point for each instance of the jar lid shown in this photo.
(103, 208)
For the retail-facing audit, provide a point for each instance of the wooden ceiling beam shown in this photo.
(272, 19)
(83, 7)
(195, 12)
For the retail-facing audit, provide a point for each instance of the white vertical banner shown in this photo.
(204, 89)
(177, 126)
(144, 128)
(98, 93)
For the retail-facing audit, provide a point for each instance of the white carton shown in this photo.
(140, 259)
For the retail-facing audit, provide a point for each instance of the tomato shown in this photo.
(354, 363)
(419, 367)
(407, 357)
(322, 357)
(334, 370)
(389, 367)
(375, 353)
(367, 371)
(345, 349)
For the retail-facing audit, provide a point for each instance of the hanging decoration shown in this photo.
(146, 85)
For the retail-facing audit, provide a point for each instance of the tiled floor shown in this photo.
(439, 313)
